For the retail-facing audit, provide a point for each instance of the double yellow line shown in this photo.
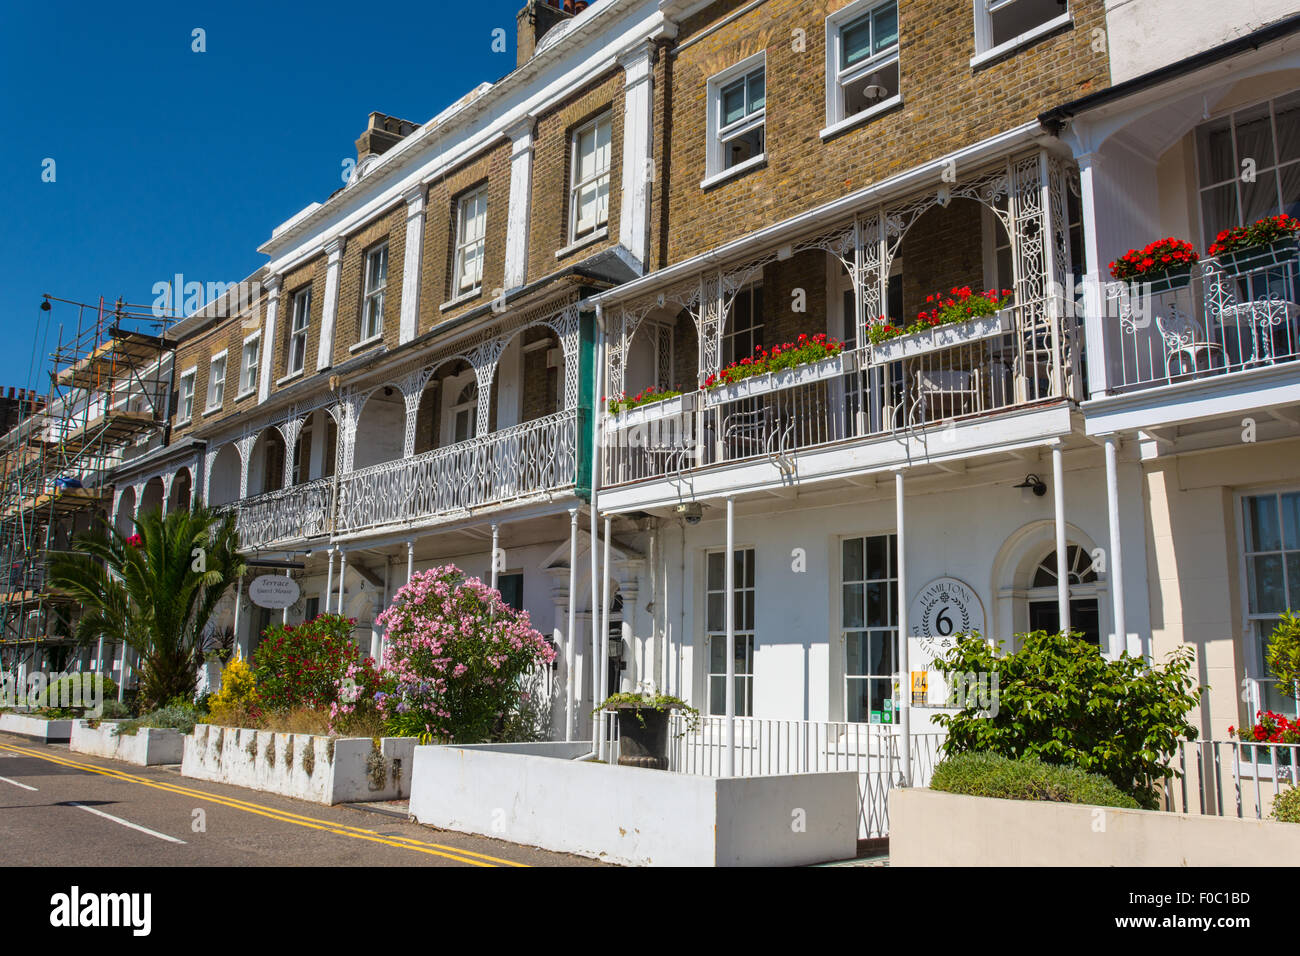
(283, 816)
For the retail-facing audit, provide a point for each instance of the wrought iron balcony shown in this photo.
(288, 514)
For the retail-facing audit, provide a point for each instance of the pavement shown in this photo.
(59, 808)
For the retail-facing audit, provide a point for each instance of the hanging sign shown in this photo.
(273, 591)
(940, 612)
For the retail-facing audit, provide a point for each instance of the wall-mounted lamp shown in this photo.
(615, 648)
(1031, 486)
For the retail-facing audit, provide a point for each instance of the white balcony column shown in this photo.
(730, 565)
(272, 286)
(284, 618)
(903, 705)
(239, 642)
(568, 643)
(343, 573)
(1115, 567)
(410, 561)
(496, 550)
(638, 156)
(521, 178)
(410, 319)
(1094, 302)
(329, 578)
(330, 310)
(601, 667)
(1062, 567)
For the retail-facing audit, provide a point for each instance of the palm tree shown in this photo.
(153, 591)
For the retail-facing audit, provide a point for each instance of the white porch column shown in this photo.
(496, 547)
(410, 321)
(730, 565)
(329, 312)
(638, 171)
(272, 286)
(1093, 300)
(521, 178)
(343, 573)
(239, 644)
(601, 664)
(329, 578)
(568, 643)
(1116, 566)
(410, 560)
(903, 706)
(595, 627)
(284, 618)
(1062, 568)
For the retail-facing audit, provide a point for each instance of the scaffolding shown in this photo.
(109, 391)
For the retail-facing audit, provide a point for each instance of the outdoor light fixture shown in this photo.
(1032, 483)
(615, 647)
(692, 511)
(874, 90)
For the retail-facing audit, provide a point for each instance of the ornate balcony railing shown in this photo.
(288, 514)
(883, 395)
(506, 465)
(1226, 315)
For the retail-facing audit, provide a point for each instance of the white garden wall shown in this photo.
(148, 746)
(634, 816)
(46, 731)
(325, 770)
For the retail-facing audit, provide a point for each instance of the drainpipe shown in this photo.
(904, 706)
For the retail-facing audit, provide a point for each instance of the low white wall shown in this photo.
(929, 828)
(48, 731)
(148, 746)
(635, 816)
(321, 769)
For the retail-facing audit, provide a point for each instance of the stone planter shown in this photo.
(38, 728)
(941, 337)
(643, 738)
(833, 367)
(147, 747)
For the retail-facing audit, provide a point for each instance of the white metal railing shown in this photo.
(1228, 314)
(767, 747)
(1032, 362)
(283, 515)
(512, 463)
(1231, 778)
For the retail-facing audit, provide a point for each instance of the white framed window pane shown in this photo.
(756, 92)
(855, 42)
(249, 380)
(733, 103)
(1011, 19)
(884, 28)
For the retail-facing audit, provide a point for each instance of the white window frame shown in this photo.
(744, 701)
(836, 79)
(462, 245)
(892, 614)
(247, 387)
(298, 331)
(373, 294)
(215, 406)
(714, 171)
(985, 52)
(576, 186)
(1252, 649)
(186, 396)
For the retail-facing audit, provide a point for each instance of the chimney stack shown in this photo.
(382, 134)
(535, 19)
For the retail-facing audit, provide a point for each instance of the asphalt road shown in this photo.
(58, 808)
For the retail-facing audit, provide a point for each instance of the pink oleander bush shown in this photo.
(456, 662)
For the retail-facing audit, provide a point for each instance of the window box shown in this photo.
(941, 337)
(654, 411)
(833, 367)
(1282, 252)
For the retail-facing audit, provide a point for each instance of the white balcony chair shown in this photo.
(1184, 343)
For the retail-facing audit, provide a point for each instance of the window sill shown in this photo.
(599, 234)
(1029, 36)
(461, 299)
(243, 395)
(754, 161)
(290, 377)
(182, 422)
(366, 343)
(857, 118)
(212, 410)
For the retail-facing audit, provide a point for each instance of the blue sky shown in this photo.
(168, 160)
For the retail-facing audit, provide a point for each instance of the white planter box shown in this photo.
(941, 337)
(147, 747)
(833, 367)
(654, 411)
(338, 770)
(639, 817)
(47, 731)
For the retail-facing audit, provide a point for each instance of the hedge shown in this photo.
(1026, 778)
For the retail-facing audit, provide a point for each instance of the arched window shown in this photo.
(1044, 612)
(464, 412)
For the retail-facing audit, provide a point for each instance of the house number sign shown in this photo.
(945, 608)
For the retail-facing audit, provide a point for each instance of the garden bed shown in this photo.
(321, 769)
(928, 828)
(537, 795)
(147, 747)
(50, 731)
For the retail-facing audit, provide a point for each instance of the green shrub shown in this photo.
(76, 690)
(180, 717)
(1028, 778)
(1060, 700)
(1282, 654)
(302, 666)
(1286, 806)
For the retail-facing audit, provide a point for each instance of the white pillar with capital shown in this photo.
(521, 179)
(1094, 302)
(330, 310)
(638, 156)
(272, 286)
(1062, 566)
(1115, 567)
(410, 320)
